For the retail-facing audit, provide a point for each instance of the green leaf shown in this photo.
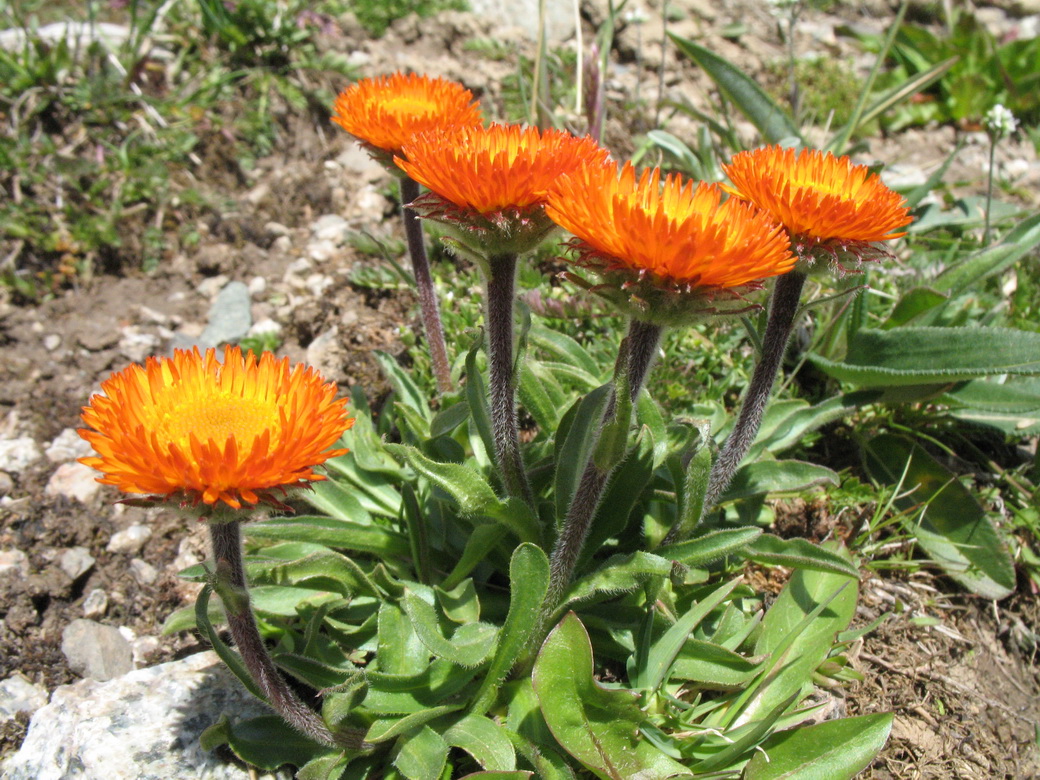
(334, 571)
(833, 750)
(712, 665)
(398, 650)
(745, 94)
(422, 756)
(536, 400)
(927, 355)
(386, 729)
(461, 603)
(577, 447)
(517, 775)
(529, 582)
(485, 740)
(470, 645)
(407, 391)
(341, 534)
(597, 726)
(266, 742)
(563, 347)
(482, 540)
(797, 554)
(915, 303)
(967, 274)
(951, 526)
(618, 574)
(447, 420)
(710, 547)
(777, 476)
(330, 767)
(231, 659)
(477, 399)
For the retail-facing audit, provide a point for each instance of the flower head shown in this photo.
(385, 112)
(204, 431)
(1000, 121)
(822, 201)
(666, 250)
(492, 182)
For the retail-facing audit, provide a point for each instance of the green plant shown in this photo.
(376, 15)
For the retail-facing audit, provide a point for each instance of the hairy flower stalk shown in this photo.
(384, 114)
(638, 351)
(830, 208)
(214, 437)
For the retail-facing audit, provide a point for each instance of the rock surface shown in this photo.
(95, 650)
(143, 726)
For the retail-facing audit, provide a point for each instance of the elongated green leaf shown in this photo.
(481, 541)
(832, 750)
(952, 528)
(341, 534)
(710, 547)
(1018, 243)
(927, 355)
(536, 400)
(798, 554)
(913, 305)
(902, 92)
(618, 574)
(485, 740)
(386, 729)
(777, 476)
(408, 392)
(398, 650)
(265, 741)
(597, 726)
(577, 446)
(476, 398)
(232, 660)
(336, 500)
(470, 645)
(337, 572)
(422, 756)
(519, 774)
(712, 666)
(745, 94)
(329, 767)
(563, 347)
(529, 582)
(447, 420)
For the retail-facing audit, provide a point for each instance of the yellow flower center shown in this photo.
(409, 106)
(215, 417)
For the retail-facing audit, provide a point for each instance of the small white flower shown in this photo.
(1000, 121)
(636, 16)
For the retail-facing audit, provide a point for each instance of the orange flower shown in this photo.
(663, 240)
(819, 198)
(489, 169)
(385, 112)
(192, 427)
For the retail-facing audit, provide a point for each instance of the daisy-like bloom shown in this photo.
(665, 249)
(824, 202)
(385, 112)
(492, 182)
(193, 428)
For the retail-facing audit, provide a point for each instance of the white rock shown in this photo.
(330, 227)
(73, 480)
(143, 571)
(76, 561)
(51, 342)
(143, 725)
(96, 651)
(6, 484)
(18, 454)
(320, 251)
(135, 345)
(68, 445)
(18, 694)
(317, 284)
(265, 327)
(209, 288)
(281, 244)
(143, 647)
(14, 560)
(257, 286)
(129, 540)
(150, 316)
(95, 605)
(276, 229)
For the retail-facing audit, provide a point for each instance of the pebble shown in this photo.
(95, 605)
(143, 647)
(145, 724)
(18, 694)
(257, 286)
(208, 288)
(129, 540)
(276, 229)
(51, 342)
(327, 355)
(135, 345)
(320, 251)
(229, 316)
(6, 483)
(317, 284)
(68, 445)
(95, 650)
(143, 572)
(14, 560)
(150, 316)
(76, 561)
(73, 481)
(331, 227)
(17, 455)
(266, 327)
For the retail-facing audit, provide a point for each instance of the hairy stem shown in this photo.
(782, 309)
(501, 292)
(641, 345)
(231, 586)
(428, 305)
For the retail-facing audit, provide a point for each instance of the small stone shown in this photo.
(6, 483)
(14, 560)
(16, 455)
(73, 481)
(327, 355)
(257, 286)
(136, 345)
(150, 316)
(51, 342)
(331, 227)
(130, 540)
(76, 561)
(276, 229)
(18, 694)
(317, 284)
(99, 336)
(95, 605)
(209, 288)
(143, 647)
(96, 651)
(143, 572)
(320, 251)
(68, 445)
(282, 244)
(229, 317)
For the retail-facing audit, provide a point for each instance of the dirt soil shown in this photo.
(963, 685)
